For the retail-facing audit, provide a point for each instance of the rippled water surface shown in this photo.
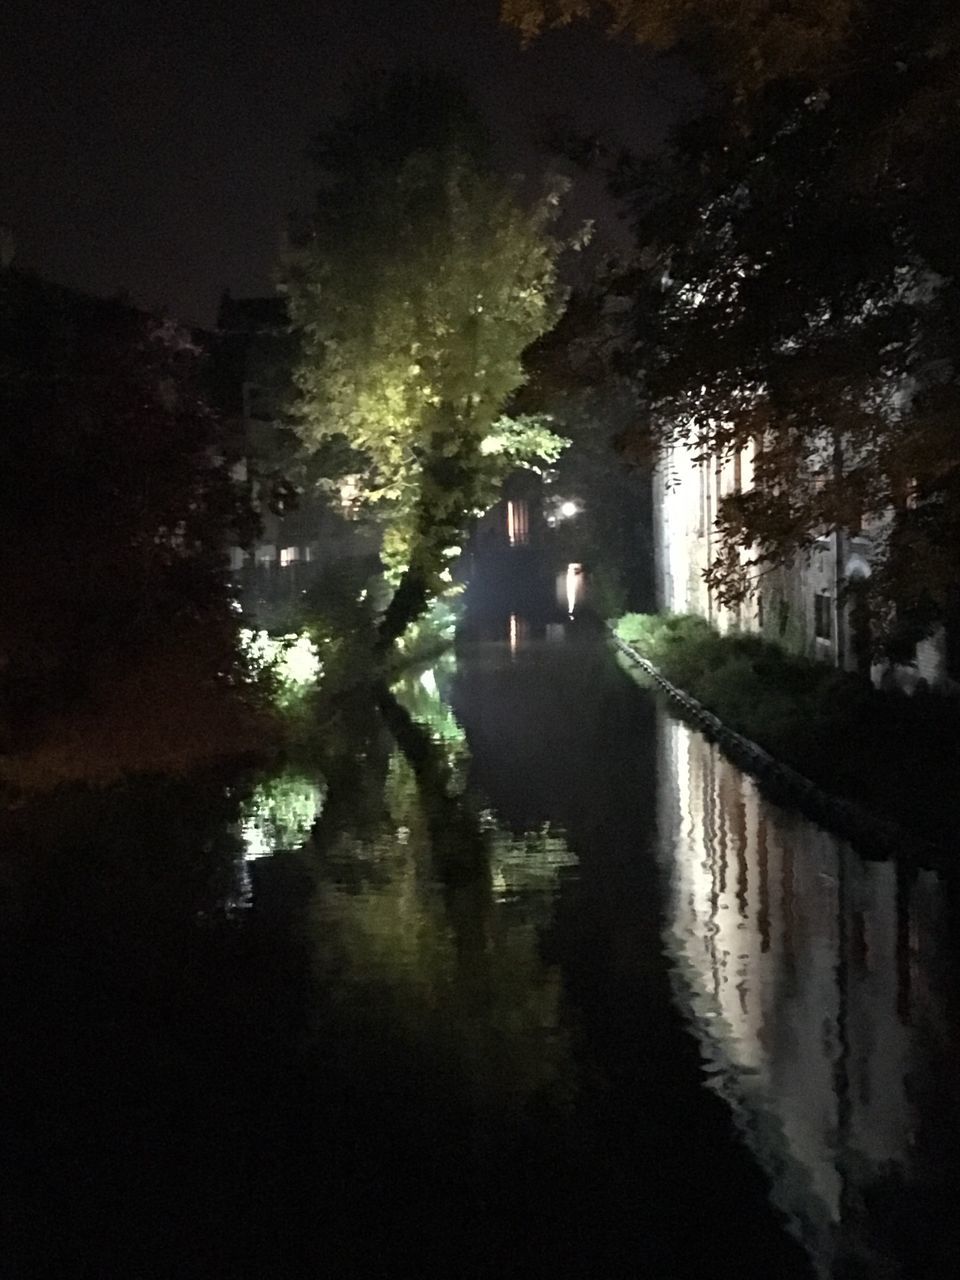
(529, 981)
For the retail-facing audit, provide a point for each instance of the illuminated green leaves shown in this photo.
(426, 278)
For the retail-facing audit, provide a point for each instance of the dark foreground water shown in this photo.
(551, 991)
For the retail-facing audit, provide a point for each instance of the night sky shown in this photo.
(156, 147)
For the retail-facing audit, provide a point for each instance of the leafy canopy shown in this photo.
(794, 288)
(424, 278)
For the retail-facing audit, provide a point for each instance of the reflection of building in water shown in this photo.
(793, 959)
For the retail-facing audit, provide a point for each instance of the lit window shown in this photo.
(289, 555)
(703, 517)
(518, 533)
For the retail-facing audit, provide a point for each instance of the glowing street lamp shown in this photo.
(558, 510)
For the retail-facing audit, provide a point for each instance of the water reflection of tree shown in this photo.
(428, 959)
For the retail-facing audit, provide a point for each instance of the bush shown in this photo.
(898, 754)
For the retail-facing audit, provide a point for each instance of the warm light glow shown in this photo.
(574, 572)
(518, 532)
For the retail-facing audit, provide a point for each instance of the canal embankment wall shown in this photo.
(863, 827)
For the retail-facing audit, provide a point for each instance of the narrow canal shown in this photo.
(546, 989)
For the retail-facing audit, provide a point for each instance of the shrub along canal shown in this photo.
(552, 990)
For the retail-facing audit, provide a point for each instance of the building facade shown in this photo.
(807, 607)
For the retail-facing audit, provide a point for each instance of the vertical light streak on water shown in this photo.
(790, 973)
(573, 587)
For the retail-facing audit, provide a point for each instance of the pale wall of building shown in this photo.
(800, 607)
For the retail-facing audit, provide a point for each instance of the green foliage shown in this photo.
(280, 813)
(423, 281)
(754, 686)
(432, 633)
(894, 753)
(794, 297)
(340, 613)
(608, 590)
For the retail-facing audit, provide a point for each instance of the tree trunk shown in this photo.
(451, 471)
(410, 601)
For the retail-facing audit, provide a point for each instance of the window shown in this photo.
(748, 457)
(703, 517)
(289, 555)
(518, 533)
(823, 616)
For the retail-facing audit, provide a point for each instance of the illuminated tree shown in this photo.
(807, 309)
(422, 281)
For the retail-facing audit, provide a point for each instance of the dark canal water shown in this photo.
(550, 991)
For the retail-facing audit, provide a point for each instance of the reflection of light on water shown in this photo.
(422, 696)
(788, 959)
(280, 815)
(519, 631)
(456, 973)
(573, 586)
(527, 865)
